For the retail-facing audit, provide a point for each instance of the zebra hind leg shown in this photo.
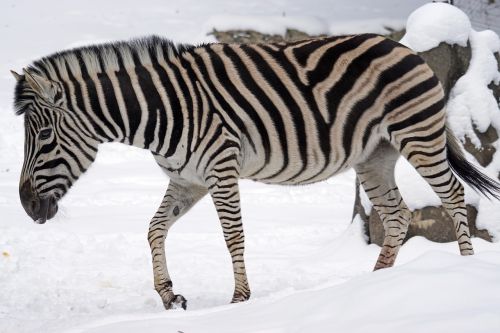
(376, 175)
(430, 160)
(178, 200)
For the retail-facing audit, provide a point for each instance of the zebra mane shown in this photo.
(97, 59)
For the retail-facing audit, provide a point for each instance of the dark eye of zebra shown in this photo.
(45, 133)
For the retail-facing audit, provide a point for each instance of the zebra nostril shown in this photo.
(34, 206)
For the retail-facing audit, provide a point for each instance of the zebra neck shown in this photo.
(143, 106)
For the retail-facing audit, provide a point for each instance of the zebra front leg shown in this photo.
(178, 199)
(226, 197)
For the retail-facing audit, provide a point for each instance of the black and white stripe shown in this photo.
(283, 113)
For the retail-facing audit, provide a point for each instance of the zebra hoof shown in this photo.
(175, 302)
(467, 252)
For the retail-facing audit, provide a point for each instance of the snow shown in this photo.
(470, 98)
(356, 305)
(434, 23)
(473, 105)
(309, 268)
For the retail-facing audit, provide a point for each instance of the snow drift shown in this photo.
(438, 292)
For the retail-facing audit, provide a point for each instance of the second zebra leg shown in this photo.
(434, 168)
(225, 194)
(178, 199)
(376, 175)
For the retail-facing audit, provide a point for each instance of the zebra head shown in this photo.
(57, 148)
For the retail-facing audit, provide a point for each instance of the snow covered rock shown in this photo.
(252, 36)
(431, 222)
(264, 29)
(467, 64)
(449, 62)
(272, 28)
(269, 24)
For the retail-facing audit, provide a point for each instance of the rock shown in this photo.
(483, 154)
(449, 62)
(252, 36)
(395, 34)
(431, 222)
(496, 87)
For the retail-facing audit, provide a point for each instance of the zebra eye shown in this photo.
(45, 133)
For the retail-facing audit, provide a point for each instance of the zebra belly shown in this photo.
(303, 178)
(293, 171)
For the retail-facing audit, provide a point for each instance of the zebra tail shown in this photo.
(468, 172)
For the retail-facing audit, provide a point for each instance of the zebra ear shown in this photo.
(42, 86)
(18, 77)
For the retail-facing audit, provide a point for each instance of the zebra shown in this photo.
(279, 113)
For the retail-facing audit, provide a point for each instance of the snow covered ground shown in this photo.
(405, 305)
(89, 269)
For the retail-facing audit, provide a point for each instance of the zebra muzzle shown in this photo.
(48, 208)
(39, 208)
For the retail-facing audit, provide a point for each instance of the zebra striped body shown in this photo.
(286, 113)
